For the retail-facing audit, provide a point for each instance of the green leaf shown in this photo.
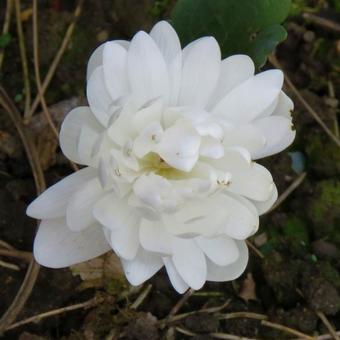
(240, 26)
(5, 40)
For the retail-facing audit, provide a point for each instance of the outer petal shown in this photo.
(190, 262)
(96, 58)
(115, 70)
(278, 133)
(222, 250)
(168, 43)
(234, 71)
(284, 107)
(53, 201)
(231, 272)
(142, 267)
(251, 98)
(147, 71)
(263, 207)
(175, 279)
(71, 128)
(79, 209)
(200, 72)
(55, 246)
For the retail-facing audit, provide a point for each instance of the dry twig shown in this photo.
(325, 321)
(9, 265)
(56, 60)
(297, 182)
(23, 255)
(5, 27)
(141, 297)
(322, 22)
(23, 57)
(33, 269)
(36, 318)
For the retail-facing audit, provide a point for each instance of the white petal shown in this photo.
(168, 43)
(71, 128)
(142, 267)
(230, 272)
(251, 98)
(234, 71)
(55, 246)
(96, 58)
(86, 143)
(222, 250)
(125, 241)
(167, 40)
(278, 134)
(79, 209)
(179, 147)
(245, 136)
(241, 219)
(147, 139)
(211, 148)
(200, 72)
(263, 207)
(284, 107)
(115, 69)
(98, 96)
(147, 71)
(53, 201)
(175, 279)
(114, 213)
(189, 261)
(154, 238)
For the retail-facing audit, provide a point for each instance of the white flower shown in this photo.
(168, 141)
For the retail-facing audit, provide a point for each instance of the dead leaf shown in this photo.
(99, 272)
(248, 289)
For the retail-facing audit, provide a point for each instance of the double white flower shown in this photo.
(168, 141)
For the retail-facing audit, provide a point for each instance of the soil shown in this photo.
(299, 274)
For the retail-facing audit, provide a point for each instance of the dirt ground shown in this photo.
(291, 288)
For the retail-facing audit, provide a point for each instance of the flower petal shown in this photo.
(98, 97)
(168, 43)
(175, 279)
(53, 201)
(190, 262)
(278, 133)
(154, 238)
(56, 246)
(200, 72)
(147, 71)
(284, 107)
(222, 250)
(232, 271)
(125, 241)
(114, 212)
(71, 129)
(251, 98)
(79, 209)
(234, 71)
(179, 147)
(115, 69)
(264, 206)
(142, 267)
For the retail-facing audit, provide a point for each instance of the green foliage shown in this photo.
(5, 39)
(249, 27)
